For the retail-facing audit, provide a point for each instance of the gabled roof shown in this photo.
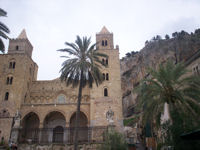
(22, 35)
(104, 30)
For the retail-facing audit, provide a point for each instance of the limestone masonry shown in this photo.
(50, 104)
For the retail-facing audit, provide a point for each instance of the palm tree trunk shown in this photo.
(78, 112)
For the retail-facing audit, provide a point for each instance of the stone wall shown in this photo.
(57, 147)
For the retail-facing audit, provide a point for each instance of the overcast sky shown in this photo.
(49, 23)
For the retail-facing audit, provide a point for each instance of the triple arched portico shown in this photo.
(54, 128)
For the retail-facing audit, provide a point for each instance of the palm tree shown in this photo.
(82, 69)
(3, 30)
(169, 86)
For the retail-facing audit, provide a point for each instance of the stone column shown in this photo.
(40, 132)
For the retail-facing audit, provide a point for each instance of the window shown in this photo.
(17, 47)
(106, 43)
(103, 61)
(102, 43)
(196, 70)
(106, 61)
(61, 98)
(107, 77)
(103, 76)
(105, 92)
(12, 65)
(6, 96)
(9, 80)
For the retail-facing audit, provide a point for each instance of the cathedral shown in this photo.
(43, 111)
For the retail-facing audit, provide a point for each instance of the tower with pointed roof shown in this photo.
(107, 96)
(104, 39)
(17, 71)
(20, 45)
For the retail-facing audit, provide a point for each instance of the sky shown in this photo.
(50, 23)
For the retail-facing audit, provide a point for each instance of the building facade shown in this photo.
(33, 106)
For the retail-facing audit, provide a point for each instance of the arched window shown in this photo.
(17, 47)
(107, 77)
(106, 43)
(6, 96)
(102, 43)
(103, 61)
(12, 65)
(105, 92)
(9, 80)
(106, 61)
(103, 76)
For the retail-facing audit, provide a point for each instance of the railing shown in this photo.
(66, 135)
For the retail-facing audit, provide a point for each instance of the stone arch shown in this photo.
(82, 110)
(30, 127)
(83, 127)
(28, 118)
(52, 110)
(29, 111)
(83, 119)
(54, 124)
(51, 116)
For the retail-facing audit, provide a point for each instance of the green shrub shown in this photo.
(113, 141)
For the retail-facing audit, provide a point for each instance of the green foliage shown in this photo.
(113, 141)
(3, 30)
(84, 64)
(183, 123)
(167, 37)
(81, 69)
(128, 121)
(168, 85)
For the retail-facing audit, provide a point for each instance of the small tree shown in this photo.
(114, 141)
(167, 37)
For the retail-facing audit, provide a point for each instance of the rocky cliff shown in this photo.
(134, 66)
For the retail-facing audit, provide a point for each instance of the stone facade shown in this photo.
(50, 103)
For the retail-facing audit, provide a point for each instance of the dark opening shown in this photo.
(106, 43)
(13, 65)
(107, 77)
(103, 61)
(17, 47)
(102, 43)
(106, 61)
(103, 76)
(10, 65)
(11, 80)
(58, 134)
(105, 92)
(6, 96)
(7, 81)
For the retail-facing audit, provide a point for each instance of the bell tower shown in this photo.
(20, 45)
(107, 97)
(104, 39)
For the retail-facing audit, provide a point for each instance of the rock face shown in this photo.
(134, 66)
